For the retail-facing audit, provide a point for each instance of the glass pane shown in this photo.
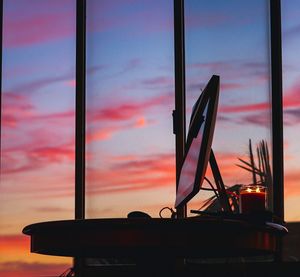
(130, 98)
(231, 39)
(37, 162)
(291, 104)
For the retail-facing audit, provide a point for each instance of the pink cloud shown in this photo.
(149, 172)
(259, 112)
(234, 70)
(140, 173)
(291, 116)
(101, 134)
(121, 174)
(159, 81)
(18, 110)
(67, 79)
(292, 96)
(40, 148)
(32, 28)
(13, 106)
(128, 110)
(245, 108)
(28, 141)
(259, 118)
(35, 85)
(194, 85)
(53, 154)
(71, 83)
(124, 111)
(105, 133)
(32, 156)
(231, 86)
(291, 100)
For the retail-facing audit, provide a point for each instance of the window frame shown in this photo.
(179, 112)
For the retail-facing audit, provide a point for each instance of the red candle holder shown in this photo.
(252, 199)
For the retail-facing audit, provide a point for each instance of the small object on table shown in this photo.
(252, 199)
(138, 214)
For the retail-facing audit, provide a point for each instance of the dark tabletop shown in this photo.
(138, 237)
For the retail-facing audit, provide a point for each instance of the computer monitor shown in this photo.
(199, 141)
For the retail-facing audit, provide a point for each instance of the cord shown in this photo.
(212, 187)
(173, 213)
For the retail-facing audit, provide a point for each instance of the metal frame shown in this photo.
(179, 112)
(80, 115)
(277, 113)
(80, 109)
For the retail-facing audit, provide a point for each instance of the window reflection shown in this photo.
(231, 39)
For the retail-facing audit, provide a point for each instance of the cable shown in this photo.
(212, 187)
(173, 213)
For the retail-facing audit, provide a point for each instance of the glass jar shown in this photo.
(252, 198)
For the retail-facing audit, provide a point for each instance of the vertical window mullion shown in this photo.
(277, 113)
(80, 109)
(179, 113)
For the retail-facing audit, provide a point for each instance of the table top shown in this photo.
(148, 237)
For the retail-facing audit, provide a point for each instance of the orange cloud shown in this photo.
(17, 260)
(25, 269)
(292, 184)
(97, 135)
(141, 122)
(13, 243)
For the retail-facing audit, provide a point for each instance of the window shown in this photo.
(130, 154)
(291, 102)
(130, 147)
(231, 39)
(37, 128)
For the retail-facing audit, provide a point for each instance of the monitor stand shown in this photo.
(224, 202)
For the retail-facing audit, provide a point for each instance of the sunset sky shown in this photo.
(130, 97)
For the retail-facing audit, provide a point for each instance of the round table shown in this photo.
(154, 237)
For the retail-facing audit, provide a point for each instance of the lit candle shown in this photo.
(252, 198)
